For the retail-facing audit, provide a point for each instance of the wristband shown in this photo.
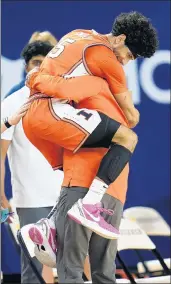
(7, 124)
(5, 214)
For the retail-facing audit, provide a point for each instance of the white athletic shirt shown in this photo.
(34, 183)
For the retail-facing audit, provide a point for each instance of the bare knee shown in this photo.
(126, 137)
(133, 139)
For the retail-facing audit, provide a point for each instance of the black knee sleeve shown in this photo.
(113, 163)
(103, 134)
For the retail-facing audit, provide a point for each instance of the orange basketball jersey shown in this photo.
(80, 53)
(66, 72)
(67, 58)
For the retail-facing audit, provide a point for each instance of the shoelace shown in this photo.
(107, 211)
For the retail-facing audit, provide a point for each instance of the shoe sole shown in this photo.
(91, 226)
(38, 238)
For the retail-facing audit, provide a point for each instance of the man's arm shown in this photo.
(46, 84)
(49, 85)
(102, 62)
(125, 102)
(58, 88)
(15, 118)
(4, 148)
(8, 108)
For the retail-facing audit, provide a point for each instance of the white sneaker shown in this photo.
(43, 234)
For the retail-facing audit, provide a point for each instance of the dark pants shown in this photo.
(75, 241)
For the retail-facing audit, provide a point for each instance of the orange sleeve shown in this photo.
(72, 89)
(102, 62)
(46, 84)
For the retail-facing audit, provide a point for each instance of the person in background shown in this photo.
(45, 36)
(42, 36)
(31, 174)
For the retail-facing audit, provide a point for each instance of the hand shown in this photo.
(133, 116)
(125, 102)
(134, 120)
(14, 119)
(6, 205)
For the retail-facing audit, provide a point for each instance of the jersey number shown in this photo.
(59, 48)
(85, 114)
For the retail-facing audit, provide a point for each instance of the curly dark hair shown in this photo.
(35, 48)
(141, 36)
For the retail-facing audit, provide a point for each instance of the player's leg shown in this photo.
(52, 152)
(121, 149)
(119, 190)
(43, 233)
(37, 232)
(87, 211)
(103, 262)
(44, 252)
(91, 157)
(94, 220)
(73, 239)
(60, 123)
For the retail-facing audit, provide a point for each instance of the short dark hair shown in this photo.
(141, 36)
(35, 48)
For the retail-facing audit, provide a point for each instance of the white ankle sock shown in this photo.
(96, 192)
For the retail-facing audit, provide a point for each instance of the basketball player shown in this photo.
(66, 75)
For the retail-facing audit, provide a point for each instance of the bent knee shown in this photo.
(126, 137)
(131, 140)
(133, 137)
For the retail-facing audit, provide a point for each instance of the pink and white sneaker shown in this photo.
(43, 235)
(89, 216)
